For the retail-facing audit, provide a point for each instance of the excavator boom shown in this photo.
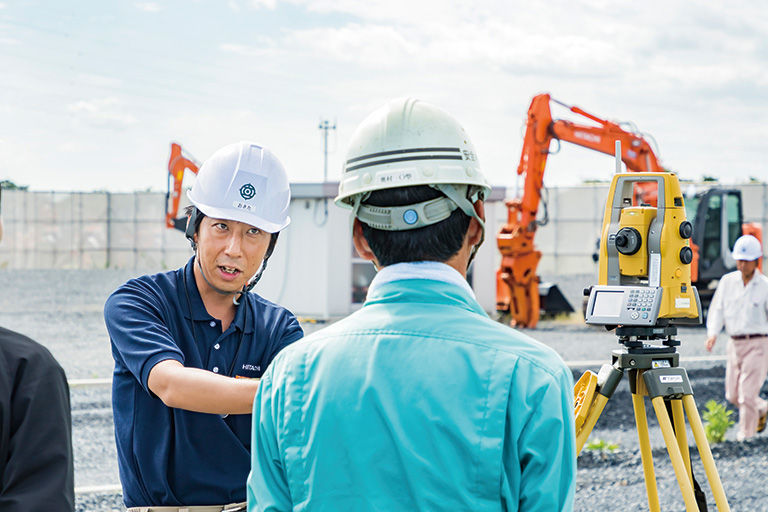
(177, 165)
(517, 284)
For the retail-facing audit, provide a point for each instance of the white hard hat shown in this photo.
(244, 182)
(406, 143)
(747, 248)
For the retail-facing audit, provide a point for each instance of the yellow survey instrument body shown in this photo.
(649, 246)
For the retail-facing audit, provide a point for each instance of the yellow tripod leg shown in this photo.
(593, 414)
(682, 435)
(674, 454)
(705, 453)
(641, 421)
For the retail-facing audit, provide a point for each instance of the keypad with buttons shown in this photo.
(640, 303)
(641, 299)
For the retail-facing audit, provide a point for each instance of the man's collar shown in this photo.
(432, 270)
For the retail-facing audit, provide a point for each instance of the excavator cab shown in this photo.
(717, 218)
(717, 223)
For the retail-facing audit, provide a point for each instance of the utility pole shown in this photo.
(325, 126)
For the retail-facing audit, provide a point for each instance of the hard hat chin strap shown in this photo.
(467, 205)
(202, 273)
(249, 286)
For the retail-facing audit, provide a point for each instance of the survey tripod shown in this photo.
(654, 371)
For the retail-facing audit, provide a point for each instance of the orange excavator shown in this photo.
(716, 214)
(178, 164)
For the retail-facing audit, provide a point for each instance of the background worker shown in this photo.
(36, 468)
(740, 304)
(418, 401)
(189, 344)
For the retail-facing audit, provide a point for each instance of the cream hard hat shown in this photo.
(405, 143)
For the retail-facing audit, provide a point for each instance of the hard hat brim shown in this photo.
(244, 217)
(744, 257)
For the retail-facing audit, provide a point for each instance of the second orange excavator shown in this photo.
(178, 164)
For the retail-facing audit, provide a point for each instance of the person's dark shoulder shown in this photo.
(258, 302)
(159, 281)
(152, 287)
(276, 315)
(18, 347)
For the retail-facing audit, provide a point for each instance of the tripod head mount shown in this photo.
(639, 339)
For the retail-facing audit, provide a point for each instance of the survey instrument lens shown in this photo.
(628, 241)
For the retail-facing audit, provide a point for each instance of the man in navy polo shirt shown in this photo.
(189, 345)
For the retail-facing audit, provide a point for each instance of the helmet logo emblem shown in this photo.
(247, 191)
(410, 217)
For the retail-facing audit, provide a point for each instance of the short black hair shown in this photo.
(436, 242)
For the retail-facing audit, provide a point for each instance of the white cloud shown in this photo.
(267, 4)
(694, 79)
(366, 45)
(98, 80)
(104, 112)
(148, 6)
(265, 46)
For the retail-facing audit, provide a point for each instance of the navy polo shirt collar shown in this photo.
(199, 313)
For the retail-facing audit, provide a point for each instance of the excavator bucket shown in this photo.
(552, 300)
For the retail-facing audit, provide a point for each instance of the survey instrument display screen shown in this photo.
(607, 304)
(623, 305)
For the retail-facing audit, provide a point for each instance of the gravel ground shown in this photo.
(62, 310)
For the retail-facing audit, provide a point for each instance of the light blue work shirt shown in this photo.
(418, 401)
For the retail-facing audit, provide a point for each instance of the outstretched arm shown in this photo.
(199, 390)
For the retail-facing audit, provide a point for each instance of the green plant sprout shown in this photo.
(717, 421)
(602, 446)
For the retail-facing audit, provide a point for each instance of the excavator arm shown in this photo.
(517, 284)
(177, 165)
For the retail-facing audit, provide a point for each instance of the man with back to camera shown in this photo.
(740, 304)
(36, 463)
(418, 401)
(189, 345)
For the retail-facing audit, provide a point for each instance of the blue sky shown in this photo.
(92, 93)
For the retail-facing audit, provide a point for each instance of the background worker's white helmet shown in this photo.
(747, 248)
(244, 182)
(406, 143)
